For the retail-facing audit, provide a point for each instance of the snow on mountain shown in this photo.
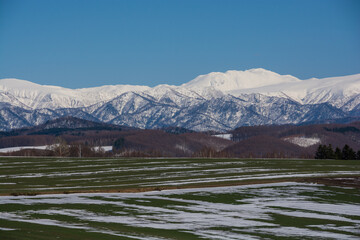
(215, 101)
(35, 96)
(238, 80)
(303, 141)
(335, 90)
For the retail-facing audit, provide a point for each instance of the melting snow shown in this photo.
(14, 149)
(202, 217)
(224, 136)
(303, 141)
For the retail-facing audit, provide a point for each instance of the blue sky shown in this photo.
(86, 43)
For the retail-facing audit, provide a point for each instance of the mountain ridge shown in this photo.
(215, 101)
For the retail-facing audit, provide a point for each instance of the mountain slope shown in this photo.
(336, 91)
(216, 101)
(238, 80)
(35, 96)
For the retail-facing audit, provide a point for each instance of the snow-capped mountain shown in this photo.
(215, 101)
(35, 96)
(239, 80)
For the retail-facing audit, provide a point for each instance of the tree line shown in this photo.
(62, 149)
(327, 152)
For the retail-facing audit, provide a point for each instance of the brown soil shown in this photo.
(343, 181)
(353, 181)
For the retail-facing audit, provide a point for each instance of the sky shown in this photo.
(88, 43)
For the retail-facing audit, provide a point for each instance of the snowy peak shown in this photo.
(33, 95)
(338, 91)
(36, 96)
(237, 80)
(334, 90)
(215, 101)
(12, 83)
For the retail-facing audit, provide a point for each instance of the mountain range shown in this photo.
(215, 101)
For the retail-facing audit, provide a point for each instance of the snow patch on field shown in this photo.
(6, 229)
(250, 210)
(15, 149)
(303, 141)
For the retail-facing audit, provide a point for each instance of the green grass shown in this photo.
(46, 175)
(268, 211)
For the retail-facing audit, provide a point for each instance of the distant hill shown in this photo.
(166, 142)
(292, 140)
(63, 124)
(252, 141)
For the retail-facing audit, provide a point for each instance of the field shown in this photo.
(60, 198)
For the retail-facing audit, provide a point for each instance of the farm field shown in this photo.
(178, 199)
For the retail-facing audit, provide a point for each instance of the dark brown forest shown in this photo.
(83, 138)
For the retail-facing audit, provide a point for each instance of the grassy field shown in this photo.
(207, 199)
(58, 175)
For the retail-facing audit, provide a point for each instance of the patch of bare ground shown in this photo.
(346, 181)
(155, 188)
(343, 181)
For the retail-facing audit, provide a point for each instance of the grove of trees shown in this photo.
(327, 152)
(62, 149)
